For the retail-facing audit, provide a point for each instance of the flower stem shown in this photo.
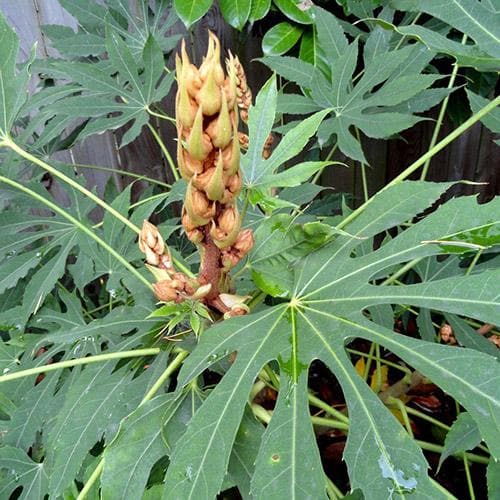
(80, 361)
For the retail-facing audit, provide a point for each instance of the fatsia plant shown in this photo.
(104, 394)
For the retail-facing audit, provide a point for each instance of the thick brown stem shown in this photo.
(211, 272)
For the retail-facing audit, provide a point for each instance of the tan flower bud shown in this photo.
(220, 129)
(233, 183)
(230, 82)
(209, 96)
(226, 231)
(202, 291)
(215, 186)
(195, 236)
(190, 75)
(187, 166)
(235, 302)
(229, 259)
(227, 219)
(243, 138)
(211, 62)
(244, 242)
(166, 291)
(198, 143)
(187, 223)
(198, 207)
(151, 243)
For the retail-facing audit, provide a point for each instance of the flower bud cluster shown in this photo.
(208, 149)
(170, 285)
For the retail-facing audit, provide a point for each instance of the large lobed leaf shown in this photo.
(376, 102)
(323, 311)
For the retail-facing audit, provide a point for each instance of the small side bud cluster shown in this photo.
(170, 285)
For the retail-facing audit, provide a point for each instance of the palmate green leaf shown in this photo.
(18, 469)
(468, 337)
(137, 86)
(324, 311)
(284, 458)
(492, 119)
(374, 103)
(260, 173)
(280, 39)
(493, 475)
(244, 455)
(462, 436)
(469, 16)
(154, 18)
(36, 407)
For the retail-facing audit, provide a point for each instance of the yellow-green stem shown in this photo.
(442, 111)
(99, 358)
(80, 226)
(125, 173)
(161, 115)
(9, 143)
(165, 152)
(417, 164)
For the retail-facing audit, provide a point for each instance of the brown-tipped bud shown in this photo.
(166, 291)
(198, 143)
(187, 166)
(226, 231)
(231, 157)
(243, 139)
(220, 130)
(234, 184)
(190, 76)
(215, 186)
(198, 207)
(195, 236)
(244, 242)
(231, 81)
(229, 259)
(151, 243)
(209, 97)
